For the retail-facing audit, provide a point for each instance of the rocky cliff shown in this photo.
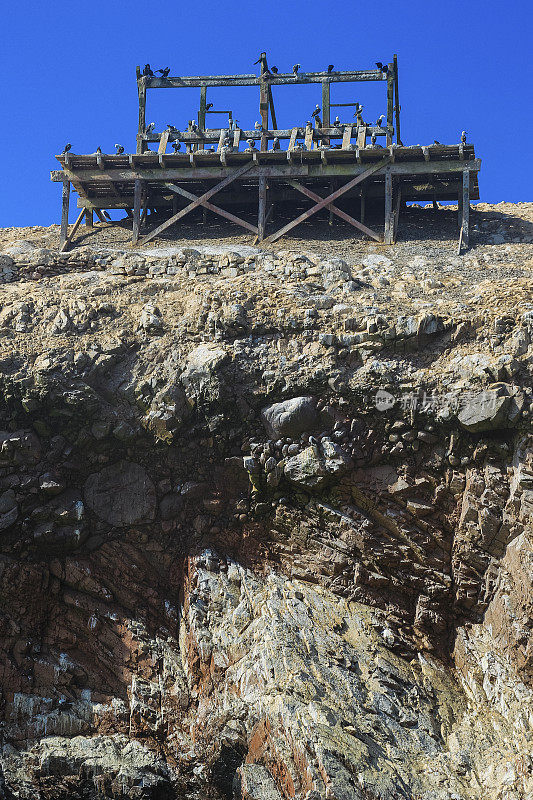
(266, 517)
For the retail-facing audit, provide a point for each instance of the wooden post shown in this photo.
(137, 193)
(466, 207)
(141, 90)
(390, 101)
(263, 103)
(88, 218)
(261, 219)
(363, 204)
(272, 109)
(64, 214)
(388, 207)
(203, 103)
(325, 107)
(396, 100)
(396, 212)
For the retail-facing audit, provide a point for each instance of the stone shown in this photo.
(306, 469)
(290, 417)
(486, 411)
(121, 494)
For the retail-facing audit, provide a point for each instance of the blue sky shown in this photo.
(69, 75)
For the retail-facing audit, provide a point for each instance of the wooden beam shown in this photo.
(328, 200)
(263, 110)
(281, 79)
(292, 140)
(163, 141)
(75, 227)
(309, 138)
(88, 218)
(272, 109)
(346, 137)
(388, 206)
(137, 194)
(141, 90)
(236, 138)
(397, 106)
(261, 211)
(362, 133)
(363, 203)
(199, 201)
(334, 210)
(203, 104)
(64, 213)
(465, 223)
(212, 207)
(390, 101)
(396, 212)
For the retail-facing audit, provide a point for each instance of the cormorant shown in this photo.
(147, 71)
(208, 106)
(119, 149)
(383, 67)
(274, 70)
(463, 137)
(330, 68)
(296, 68)
(67, 147)
(380, 120)
(164, 72)
(150, 127)
(316, 112)
(176, 146)
(275, 143)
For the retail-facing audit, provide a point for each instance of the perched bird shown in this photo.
(373, 140)
(337, 122)
(150, 127)
(171, 128)
(98, 151)
(383, 67)
(208, 106)
(436, 141)
(358, 111)
(296, 68)
(67, 148)
(176, 146)
(463, 137)
(316, 112)
(164, 72)
(258, 126)
(147, 71)
(274, 70)
(251, 146)
(308, 124)
(330, 68)
(119, 149)
(275, 144)
(379, 120)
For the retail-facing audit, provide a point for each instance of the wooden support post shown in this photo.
(203, 103)
(388, 207)
(325, 108)
(263, 104)
(396, 101)
(363, 204)
(390, 102)
(396, 212)
(75, 227)
(466, 207)
(261, 219)
(459, 207)
(174, 205)
(64, 214)
(88, 218)
(141, 90)
(137, 194)
(272, 109)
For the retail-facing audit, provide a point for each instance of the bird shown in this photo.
(380, 120)
(251, 146)
(274, 70)
(296, 68)
(98, 151)
(275, 143)
(316, 112)
(176, 146)
(313, 442)
(436, 141)
(164, 72)
(119, 149)
(67, 147)
(463, 137)
(147, 71)
(258, 126)
(208, 106)
(150, 127)
(358, 110)
(171, 128)
(330, 68)
(383, 67)
(258, 60)
(337, 122)
(373, 140)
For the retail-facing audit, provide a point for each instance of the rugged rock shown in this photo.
(266, 518)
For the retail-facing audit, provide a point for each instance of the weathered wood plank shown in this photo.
(212, 207)
(163, 141)
(199, 201)
(327, 200)
(309, 138)
(390, 101)
(281, 79)
(65, 199)
(292, 141)
(261, 211)
(63, 247)
(346, 137)
(88, 218)
(396, 212)
(396, 100)
(334, 210)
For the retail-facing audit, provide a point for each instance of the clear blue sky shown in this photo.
(69, 76)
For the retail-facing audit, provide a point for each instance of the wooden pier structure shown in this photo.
(334, 165)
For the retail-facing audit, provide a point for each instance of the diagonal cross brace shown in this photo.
(342, 214)
(212, 207)
(326, 201)
(199, 201)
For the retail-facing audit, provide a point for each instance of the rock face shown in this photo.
(266, 521)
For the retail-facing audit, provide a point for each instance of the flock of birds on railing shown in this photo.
(148, 72)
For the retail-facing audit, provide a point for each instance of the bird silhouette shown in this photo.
(275, 144)
(164, 72)
(330, 68)
(150, 127)
(436, 141)
(316, 112)
(176, 146)
(258, 126)
(274, 70)
(463, 137)
(171, 128)
(379, 120)
(119, 149)
(98, 151)
(147, 71)
(67, 148)
(296, 68)
(208, 106)
(383, 67)
(337, 122)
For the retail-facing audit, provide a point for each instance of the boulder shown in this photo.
(291, 417)
(121, 494)
(312, 469)
(485, 411)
